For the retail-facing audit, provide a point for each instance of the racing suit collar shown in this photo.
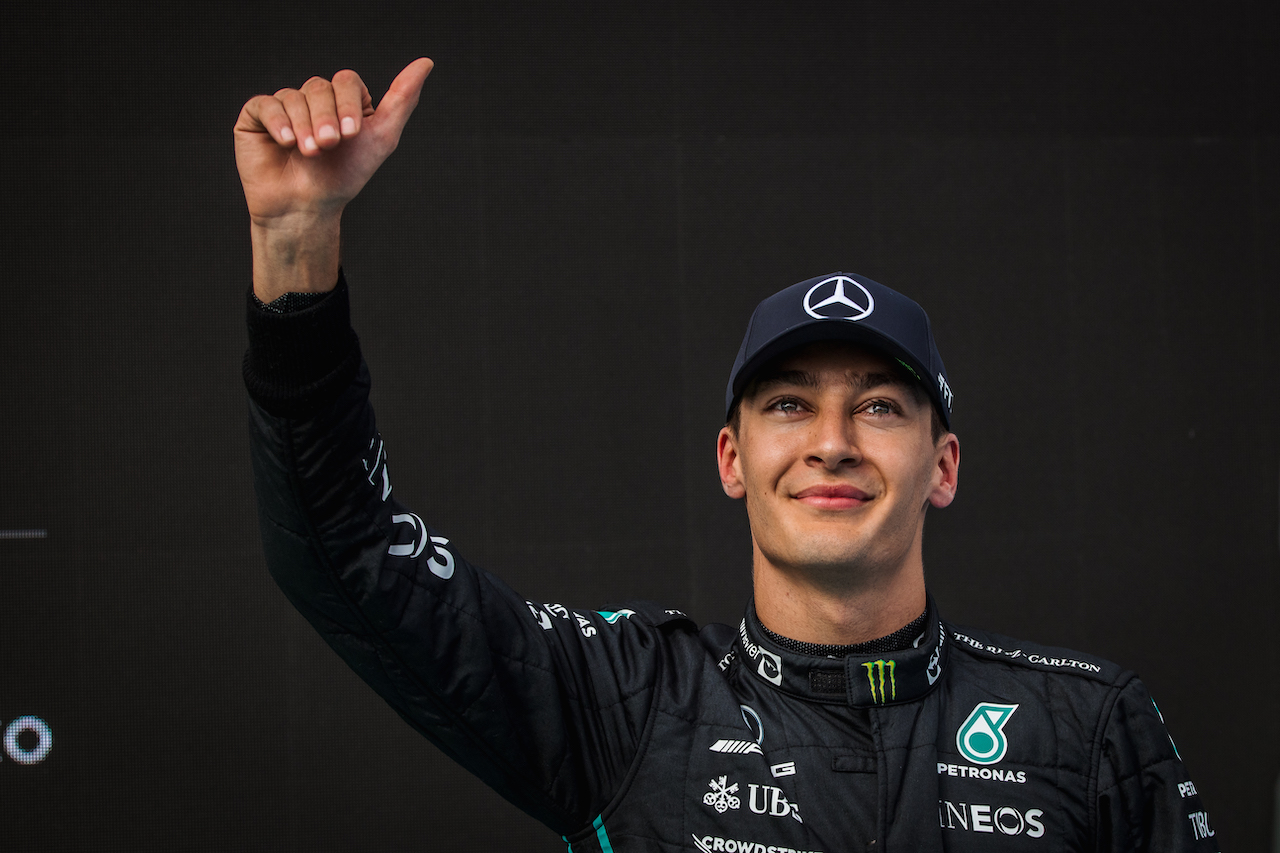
(862, 681)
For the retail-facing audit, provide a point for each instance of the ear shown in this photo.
(946, 472)
(730, 464)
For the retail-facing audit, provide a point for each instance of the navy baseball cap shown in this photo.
(842, 307)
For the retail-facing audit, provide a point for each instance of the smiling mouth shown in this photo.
(832, 497)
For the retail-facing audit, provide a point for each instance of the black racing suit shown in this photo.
(633, 730)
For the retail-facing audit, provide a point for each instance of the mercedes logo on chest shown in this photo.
(838, 298)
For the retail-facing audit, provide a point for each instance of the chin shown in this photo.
(831, 557)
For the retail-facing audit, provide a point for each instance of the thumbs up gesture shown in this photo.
(303, 154)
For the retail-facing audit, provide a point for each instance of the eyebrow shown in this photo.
(805, 379)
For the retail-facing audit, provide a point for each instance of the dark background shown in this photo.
(551, 277)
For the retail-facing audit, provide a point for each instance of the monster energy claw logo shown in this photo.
(877, 668)
(981, 738)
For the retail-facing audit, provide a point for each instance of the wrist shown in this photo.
(296, 255)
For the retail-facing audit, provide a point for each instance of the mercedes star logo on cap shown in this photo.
(837, 305)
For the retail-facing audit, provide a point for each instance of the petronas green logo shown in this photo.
(981, 738)
(876, 671)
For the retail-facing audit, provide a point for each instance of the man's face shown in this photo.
(834, 457)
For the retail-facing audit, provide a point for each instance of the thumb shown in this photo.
(400, 100)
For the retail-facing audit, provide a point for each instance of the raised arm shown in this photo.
(303, 154)
(545, 704)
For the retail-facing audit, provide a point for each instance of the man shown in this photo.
(842, 713)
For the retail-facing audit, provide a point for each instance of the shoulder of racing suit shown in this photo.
(985, 645)
(1077, 715)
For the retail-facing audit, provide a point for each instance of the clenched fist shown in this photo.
(303, 154)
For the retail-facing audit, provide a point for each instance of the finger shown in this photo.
(295, 107)
(324, 111)
(266, 114)
(398, 104)
(350, 95)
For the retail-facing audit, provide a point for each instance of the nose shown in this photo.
(833, 442)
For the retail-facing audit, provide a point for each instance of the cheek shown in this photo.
(924, 477)
(912, 469)
(764, 466)
(754, 459)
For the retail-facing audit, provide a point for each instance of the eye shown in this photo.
(786, 405)
(879, 408)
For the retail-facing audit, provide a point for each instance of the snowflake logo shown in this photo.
(721, 796)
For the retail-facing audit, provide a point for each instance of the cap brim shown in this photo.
(826, 330)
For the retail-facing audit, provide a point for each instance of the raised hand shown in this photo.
(303, 154)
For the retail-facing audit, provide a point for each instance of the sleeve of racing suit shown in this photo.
(1146, 800)
(544, 704)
